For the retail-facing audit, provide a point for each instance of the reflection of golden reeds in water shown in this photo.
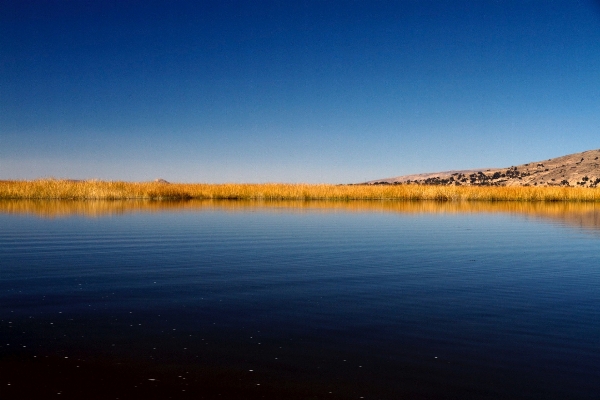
(103, 190)
(581, 214)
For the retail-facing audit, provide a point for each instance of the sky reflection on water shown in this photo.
(381, 300)
(583, 215)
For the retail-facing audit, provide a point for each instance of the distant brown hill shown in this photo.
(579, 169)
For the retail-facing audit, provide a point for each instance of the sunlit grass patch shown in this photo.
(119, 190)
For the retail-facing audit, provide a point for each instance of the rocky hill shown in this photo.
(579, 169)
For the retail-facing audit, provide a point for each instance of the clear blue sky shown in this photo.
(293, 91)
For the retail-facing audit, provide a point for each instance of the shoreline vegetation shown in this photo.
(64, 189)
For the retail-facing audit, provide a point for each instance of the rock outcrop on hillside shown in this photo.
(578, 170)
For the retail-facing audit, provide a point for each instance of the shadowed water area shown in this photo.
(307, 300)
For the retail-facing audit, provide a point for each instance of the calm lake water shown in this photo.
(299, 300)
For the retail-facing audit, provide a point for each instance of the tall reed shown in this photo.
(119, 190)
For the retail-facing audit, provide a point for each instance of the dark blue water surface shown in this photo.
(263, 303)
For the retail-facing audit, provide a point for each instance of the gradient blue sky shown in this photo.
(293, 91)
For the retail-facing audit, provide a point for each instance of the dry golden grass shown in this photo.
(117, 190)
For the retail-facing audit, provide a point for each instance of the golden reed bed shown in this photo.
(117, 190)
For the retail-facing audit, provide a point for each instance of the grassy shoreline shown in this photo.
(120, 190)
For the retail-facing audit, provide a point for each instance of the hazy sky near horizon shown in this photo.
(293, 91)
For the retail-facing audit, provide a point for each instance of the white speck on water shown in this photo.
(151, 379)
